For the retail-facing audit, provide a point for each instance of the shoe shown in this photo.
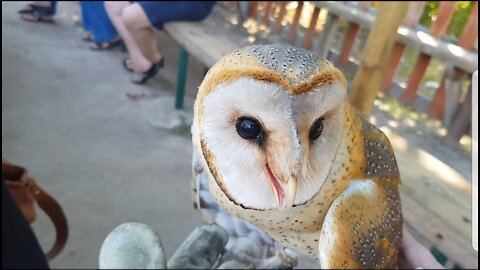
(141, 78)
(127, 65)
(33, 13)
(106, 45)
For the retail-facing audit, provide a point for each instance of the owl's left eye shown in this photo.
(316, 129)
(249, 128)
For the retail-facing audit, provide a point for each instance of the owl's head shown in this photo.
(268, 122)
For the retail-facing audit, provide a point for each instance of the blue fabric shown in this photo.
(159, 13)
(53, 8)
(96, 21)
(47, 11)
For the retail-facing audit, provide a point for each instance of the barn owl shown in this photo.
(284, 150)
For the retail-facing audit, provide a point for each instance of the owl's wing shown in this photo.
(363, 226)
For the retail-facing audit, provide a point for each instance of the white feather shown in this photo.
(240, 162)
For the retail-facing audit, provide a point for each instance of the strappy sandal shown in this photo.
(28, 9)
(141, 78)
(36, 14)
(106, 45)
(127, 64)
(88, 37)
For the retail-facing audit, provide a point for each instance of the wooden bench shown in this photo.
(435, 200)
(201, 42)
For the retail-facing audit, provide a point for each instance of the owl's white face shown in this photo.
(271, 149)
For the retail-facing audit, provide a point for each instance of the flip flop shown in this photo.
(28, 9)
(141, 78)
(106, 45)
(36, 17)
(88, 37)
(127, 65)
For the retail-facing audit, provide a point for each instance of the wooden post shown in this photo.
(462, 119)
(253, 9)
(348, 44)
(416, 77)
(444, 16)
(327, 34)
(437, 106)
(393, 62)
(307, 42)
(415, 10)
(294, 26)
(466, 41)
(281, 14)
(470, 31)
(379, 45)
(438, 28)
(266, 13)
(350, 37)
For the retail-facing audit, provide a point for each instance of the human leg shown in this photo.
(115, 11)
(142, 32)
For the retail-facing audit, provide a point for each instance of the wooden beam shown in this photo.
(393, 62)
(466, 41)
(296, 19)
(379, 44)
(266, 13)
(470, 31)
(444, 16)
(348, 43)
(327, 34)
(253, 10)
(416, 77)
(463, 116)
(415, 10)
(437, 106)
(438, 28)
(307, 42)
(416, 40)
(350, 37)
(281, 14)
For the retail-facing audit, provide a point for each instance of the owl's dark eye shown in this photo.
(249, 128)
(316, 129)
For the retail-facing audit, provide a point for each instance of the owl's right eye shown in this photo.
(249, 128)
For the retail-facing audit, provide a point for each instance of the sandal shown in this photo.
(127, 65)
(141, 78)
(35, 17)
(88, 37)
(33, 13)
(106, 45)
(29, 8)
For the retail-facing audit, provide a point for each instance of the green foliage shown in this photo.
(463, 10)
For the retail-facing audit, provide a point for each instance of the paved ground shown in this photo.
(67, 117)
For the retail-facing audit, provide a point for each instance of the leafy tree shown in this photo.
(463, 10)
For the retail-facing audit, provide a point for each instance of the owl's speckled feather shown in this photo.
(354, 219)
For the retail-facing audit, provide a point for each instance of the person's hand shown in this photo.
(414, 255)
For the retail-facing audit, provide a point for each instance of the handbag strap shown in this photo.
(46, 202)
(53, 209)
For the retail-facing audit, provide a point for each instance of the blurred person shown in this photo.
(414, 255)
(136, 22)
(97, 24)
(39, 11)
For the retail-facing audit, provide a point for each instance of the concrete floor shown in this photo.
(66, 117)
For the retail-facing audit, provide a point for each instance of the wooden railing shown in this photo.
(460, 59)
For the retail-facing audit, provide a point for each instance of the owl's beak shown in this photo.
(290, 190)
(285, 191)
